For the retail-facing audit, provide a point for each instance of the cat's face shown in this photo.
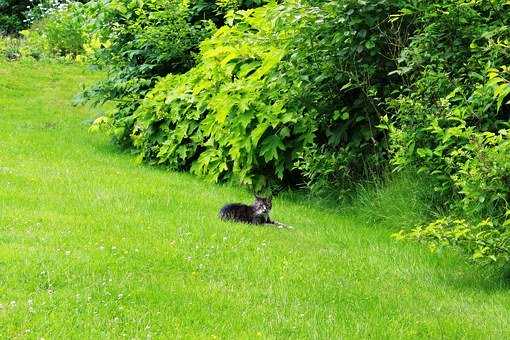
(262, 205)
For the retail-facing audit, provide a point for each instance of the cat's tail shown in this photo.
(281, 225)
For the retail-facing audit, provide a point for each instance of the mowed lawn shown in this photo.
(95, 246)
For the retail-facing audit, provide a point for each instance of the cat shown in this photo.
(257, 213)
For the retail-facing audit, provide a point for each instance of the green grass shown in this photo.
(93, 246)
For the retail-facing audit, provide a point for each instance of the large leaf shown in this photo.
(270, 146)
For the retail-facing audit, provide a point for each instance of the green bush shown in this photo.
(16, 15)
(483, 185)
(61, 33)
(451, 123)
(337, 56)
(141, 42)
(265, 76)
(233, 115)
(484, 180)
(10, 48)
(12, 15)
(59, 29)
(485, 243)
(64, 31)
(448, 100)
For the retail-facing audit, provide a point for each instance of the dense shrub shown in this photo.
(12, 15)
(16, 15)
(448, 100)
(451, 123)
(484, 180)
(139, 42)
(10, 48)
(485, 243)
(234, 115)
(60, 31)
(343, 57)
(285, 83)
(484, 189)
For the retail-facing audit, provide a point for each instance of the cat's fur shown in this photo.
(257, 213)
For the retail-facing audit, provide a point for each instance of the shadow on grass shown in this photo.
(473, 278)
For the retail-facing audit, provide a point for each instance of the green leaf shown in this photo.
(222, 104)
(258, 132)
(270, 147)
(501, 92)
(271, 59)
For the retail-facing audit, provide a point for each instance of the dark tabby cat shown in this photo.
(258, 213)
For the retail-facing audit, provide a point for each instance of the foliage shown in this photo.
(500, 81)
(485, 242)
(261, 74)
(233, 115)
(16, 15)
(450, 121)
(343, 57)
(449, 100)
(484, 180)
(60, 32)
(10, 48)
(45, 8)
(12, 15)
(138, 42)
